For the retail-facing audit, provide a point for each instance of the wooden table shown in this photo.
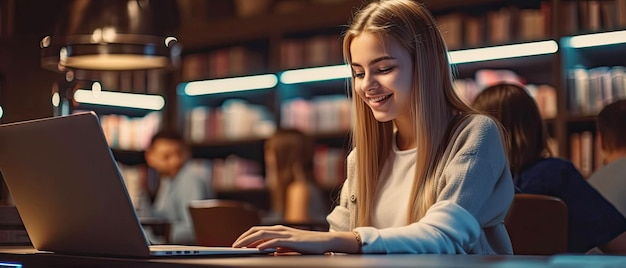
(28, 257)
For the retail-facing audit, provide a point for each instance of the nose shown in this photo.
(369, 83)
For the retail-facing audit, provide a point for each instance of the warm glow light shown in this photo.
(169, 39)
(96, 89)
(108, 34)
(1, 112)
(130, 100)
(230, 84)
(56, 99)
(598, 39)
(503, 52)
(315, 74)
(115, 62)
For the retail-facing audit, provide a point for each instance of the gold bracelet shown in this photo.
(359, 241)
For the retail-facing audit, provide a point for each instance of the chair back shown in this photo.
(537, 225)
(219, 222)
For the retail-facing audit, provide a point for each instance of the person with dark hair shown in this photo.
(168, 155)
(593, 221)
(610, 180)
(296, 196)
(426, 173)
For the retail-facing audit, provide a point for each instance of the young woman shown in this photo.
(426, 174)
(296, 196)
(593, 221)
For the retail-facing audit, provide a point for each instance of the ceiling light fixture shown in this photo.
(114, 35)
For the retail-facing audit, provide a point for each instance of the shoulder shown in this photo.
(479, 130)
(548, 175)
(551, 163)
(298, 189)
(190, 173)
(352, 155)
(479, 122)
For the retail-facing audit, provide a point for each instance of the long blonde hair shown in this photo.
(433, 107)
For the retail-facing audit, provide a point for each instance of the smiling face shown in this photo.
(382, 72)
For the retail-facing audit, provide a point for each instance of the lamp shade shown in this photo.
(113, 35)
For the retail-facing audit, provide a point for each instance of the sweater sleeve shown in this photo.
(339, 218)
(474, 174)
(445, 229)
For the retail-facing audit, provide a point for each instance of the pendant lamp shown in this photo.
(113, 35)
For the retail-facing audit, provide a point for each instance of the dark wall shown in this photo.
(25, 92)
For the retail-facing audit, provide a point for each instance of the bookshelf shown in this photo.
(276, 43)
(270, 44)
(594, 76)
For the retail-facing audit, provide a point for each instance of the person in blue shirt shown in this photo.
(179, 183)
(593, 221)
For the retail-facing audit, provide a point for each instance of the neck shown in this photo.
(406, 138)
(610, 156)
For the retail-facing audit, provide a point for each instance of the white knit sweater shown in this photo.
(474, 192)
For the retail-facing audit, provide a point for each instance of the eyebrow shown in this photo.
(374, 61)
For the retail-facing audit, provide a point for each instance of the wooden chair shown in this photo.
(537, 225)
(219, 222)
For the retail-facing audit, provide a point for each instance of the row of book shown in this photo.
(234, 119)
(589, 90)
(585, 152)
(236, 173)
(592, 15)
(499, 26)
(318, 50)
(544, 95)
(223, 62)
(130, 133)
(230, 173)
(136, 81)
(322, 114)
(330, 166)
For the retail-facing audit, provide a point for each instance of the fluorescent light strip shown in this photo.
(230, 84)
(9, 264)
(1, 112)
(598, 39)
(120, 99)
(503, 52)
(315, 74)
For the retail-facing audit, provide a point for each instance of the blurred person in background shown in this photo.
(295, 195)
(610, 180)
(179, 183)
(593, 221)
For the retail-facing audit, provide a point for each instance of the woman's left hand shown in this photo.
(286, 239)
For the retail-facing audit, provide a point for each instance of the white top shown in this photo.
(395, 186)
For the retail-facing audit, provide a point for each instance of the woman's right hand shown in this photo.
(287, 239)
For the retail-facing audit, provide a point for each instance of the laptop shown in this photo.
(70, 195)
